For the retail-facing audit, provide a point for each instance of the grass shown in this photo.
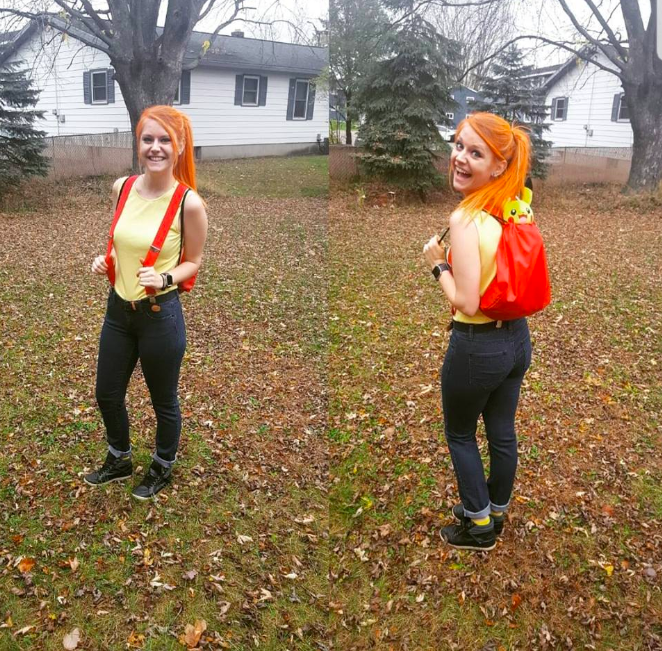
(251, 461)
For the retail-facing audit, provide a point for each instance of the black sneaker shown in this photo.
(458, 514)
(468, 535)
(157, 477)
(113, 469)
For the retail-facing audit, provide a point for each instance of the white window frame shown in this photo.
(294, 107)
(620, 106)
(105, 75)
(470, 98)
(178, 93)
(257, 91)
(450, 116)
(564, 115)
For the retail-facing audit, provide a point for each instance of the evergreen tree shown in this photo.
(21, 145)
(510, 93)
(406, 95)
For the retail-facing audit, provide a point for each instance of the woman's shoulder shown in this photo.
(463, 216)
(117, 187)
(194, 206)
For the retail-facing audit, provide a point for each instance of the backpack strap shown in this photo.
(119, 207)
(161, 234)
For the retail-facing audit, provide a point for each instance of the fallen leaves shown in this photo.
(26, 564)
(193, 633)
(71, 640)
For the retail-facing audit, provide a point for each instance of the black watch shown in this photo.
(439, 269)
(169, 281)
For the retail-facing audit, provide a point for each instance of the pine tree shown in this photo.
(510, 93)
(21, 145)
(405, 97)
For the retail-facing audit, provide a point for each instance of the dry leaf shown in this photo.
(192, 634)
(26, 565)
(23, 631)
(71, 640)
(515, 602)
(73, 564)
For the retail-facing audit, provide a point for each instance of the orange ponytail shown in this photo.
(509, 143)
(178, 126)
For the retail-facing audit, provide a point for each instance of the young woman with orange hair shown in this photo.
(150, 328)
(486, 360)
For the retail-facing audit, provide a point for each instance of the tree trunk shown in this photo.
(646, 119)
(348, 131)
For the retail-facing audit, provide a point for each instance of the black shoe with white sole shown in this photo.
(467, 535)
(157, 478)
(458, 514)
(113, 469)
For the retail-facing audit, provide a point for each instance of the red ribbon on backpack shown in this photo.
(159, 239)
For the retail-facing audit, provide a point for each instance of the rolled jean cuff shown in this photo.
(118, 453)
(479, 515)
(163, 462)
(499, 509)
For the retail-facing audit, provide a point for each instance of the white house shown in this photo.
(248, 97)
(587, 106)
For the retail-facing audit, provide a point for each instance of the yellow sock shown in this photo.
(497, 514)
(482, 521)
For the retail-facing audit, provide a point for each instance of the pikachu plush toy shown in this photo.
(519, 210)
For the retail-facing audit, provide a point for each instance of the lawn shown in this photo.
(580, 561)
(238, 540)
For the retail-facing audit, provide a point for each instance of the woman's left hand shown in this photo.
(147, 277)
(434, 253)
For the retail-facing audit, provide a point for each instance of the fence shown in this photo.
(567, 164)
(89, 154)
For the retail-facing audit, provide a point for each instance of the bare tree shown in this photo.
(633, 59)
(479, 30)
(147, 61)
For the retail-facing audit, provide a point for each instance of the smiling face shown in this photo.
(157, 152)
(473, 163)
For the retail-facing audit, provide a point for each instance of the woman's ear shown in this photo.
(500, 167)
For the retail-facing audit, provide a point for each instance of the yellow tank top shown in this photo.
(134, 234)
(489, 234)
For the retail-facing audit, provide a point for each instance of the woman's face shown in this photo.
(472, 162)
(156, 149)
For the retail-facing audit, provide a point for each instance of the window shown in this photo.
(559, 108)
(450, 116)
(470, 98)
(301, 99)
(251, 91)
(623, 112)
(99, 87)
(178, 93)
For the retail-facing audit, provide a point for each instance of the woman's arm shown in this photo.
(462, 287)
(99, 265)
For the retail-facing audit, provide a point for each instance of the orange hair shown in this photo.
(178, 126)
(507, 142)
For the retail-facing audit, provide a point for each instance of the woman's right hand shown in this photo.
(99, 265)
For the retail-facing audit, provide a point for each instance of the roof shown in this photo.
(587, 50)
(231, 52)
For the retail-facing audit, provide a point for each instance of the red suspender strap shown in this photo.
(124, 195)
(161, 234)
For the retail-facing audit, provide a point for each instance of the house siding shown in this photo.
(591, 93)
(57, 68)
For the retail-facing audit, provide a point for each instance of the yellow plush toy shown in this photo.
(519, 210)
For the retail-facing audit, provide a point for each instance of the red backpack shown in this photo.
(153, 253)
(521, 285)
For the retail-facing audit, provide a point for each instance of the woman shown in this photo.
(150, 328)
(486, 360)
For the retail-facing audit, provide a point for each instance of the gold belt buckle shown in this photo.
(155, 306)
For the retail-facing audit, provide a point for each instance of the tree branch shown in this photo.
(85, 20)
(608, 30)
(585, 55)
(633, 22)
(591, 39)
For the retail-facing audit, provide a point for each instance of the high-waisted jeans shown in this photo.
(158, 339)
(482, 374)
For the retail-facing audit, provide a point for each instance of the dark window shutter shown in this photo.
(262, 101)
(110, 85)
(87, 87)
(290, 99)
(616, 103)
(311, 101)
(554, 103)
(238, 90)
(185, 92)
(565, 110)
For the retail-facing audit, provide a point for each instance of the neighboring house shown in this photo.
(540, 76)
(247, 97)
(464, 97)
(587, 106)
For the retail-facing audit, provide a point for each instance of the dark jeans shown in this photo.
(158, 339)
(482, 374)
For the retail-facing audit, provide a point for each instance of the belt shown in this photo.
(482, 327)
(151, 302)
